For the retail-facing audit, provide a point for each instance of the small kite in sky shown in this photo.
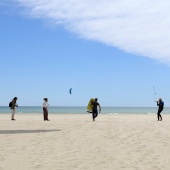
(70, 91)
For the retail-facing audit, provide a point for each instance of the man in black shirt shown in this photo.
(94, 110)
(160, 103)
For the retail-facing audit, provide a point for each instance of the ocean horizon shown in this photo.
(82, 110)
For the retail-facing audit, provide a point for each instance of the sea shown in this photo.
(82, 110)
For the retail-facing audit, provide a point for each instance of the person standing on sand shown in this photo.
(160, 103)
(13, 107)
(45, 109)
(94, 110)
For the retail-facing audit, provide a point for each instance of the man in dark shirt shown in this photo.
(94, 110)
(160, 103)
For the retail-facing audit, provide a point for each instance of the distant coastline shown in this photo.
(82, 110)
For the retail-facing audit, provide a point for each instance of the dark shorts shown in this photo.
(95, 111)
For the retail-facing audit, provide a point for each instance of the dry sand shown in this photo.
(74, 142)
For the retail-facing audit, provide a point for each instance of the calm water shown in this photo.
(82, 110)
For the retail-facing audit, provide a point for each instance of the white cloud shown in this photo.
(136, 26)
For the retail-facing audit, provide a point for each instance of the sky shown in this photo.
(117, 51)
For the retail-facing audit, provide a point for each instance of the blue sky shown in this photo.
(43, 56)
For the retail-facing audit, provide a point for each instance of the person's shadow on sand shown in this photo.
(27, 131)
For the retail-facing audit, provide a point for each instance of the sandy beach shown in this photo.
(74, 142)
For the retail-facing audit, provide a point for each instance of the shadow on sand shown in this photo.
(27, 131)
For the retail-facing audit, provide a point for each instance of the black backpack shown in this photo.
(10, 104)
